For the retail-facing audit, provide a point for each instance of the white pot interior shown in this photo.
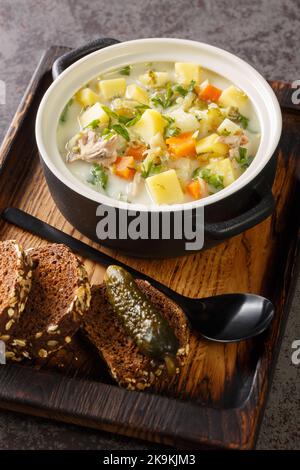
(149, 50)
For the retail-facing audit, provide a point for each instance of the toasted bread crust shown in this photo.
(127, 365)
(31, 340)
(15, 285)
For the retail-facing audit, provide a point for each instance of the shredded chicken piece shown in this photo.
(234, 140)
(244, 139)
(93, 148)
(233, 153)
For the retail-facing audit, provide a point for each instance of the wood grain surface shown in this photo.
(223, 387)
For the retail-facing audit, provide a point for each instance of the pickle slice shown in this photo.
(140, 319)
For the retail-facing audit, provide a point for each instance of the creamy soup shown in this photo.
(158, 133)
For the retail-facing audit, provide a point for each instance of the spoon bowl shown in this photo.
(229, 317)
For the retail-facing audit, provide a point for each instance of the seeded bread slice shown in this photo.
(59, 297)
(15, 284)
(127, 365)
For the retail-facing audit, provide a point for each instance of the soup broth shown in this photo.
(158, 133)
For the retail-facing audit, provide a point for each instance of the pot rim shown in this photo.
(261, 94)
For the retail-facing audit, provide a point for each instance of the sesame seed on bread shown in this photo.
(127, 365)
(15, 284)
(59, 297)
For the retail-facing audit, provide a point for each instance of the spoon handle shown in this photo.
(36, 226)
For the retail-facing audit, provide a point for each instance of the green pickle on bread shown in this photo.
(141, 320)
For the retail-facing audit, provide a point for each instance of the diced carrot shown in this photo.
(208, 93)
(136, 152)
(124, 167)
(194, 190)
(182, 145)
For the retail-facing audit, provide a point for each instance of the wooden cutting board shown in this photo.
(222, 390)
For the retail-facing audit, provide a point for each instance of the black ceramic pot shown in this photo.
(234, 211)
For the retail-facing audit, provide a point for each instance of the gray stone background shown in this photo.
(265, 33)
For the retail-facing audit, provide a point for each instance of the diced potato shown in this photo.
(209, 120)
(228, 127)
(94, 112)
(150, 124)
(165, 188)
(186, 72)
(233, 96)
(134, 92)
(87, 97)
(112, 88)
(209, 144)
(204, 129)
(226, 169)
(214, 118)
(185, 121)
(153, 79)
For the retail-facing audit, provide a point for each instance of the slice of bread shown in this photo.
(15, 284)
(127, 365)
(59, 297)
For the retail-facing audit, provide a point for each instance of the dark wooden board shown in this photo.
(222, 390)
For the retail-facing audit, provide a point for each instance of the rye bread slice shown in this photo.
(59, 297)
(15, 284)
(127, 365)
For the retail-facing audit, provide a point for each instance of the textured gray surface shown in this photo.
(263, 32)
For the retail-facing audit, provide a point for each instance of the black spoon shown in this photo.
(225, 318)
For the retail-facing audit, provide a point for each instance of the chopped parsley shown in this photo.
(107, 133)
(225, 132)
(243, 160)
(157, 100)
(119, 129)
(142, 107)
(191, 86)
(98, 176)
(110, 112)
(124, 119)
(180, 90)
(170, 129)
(93, 125)
(153, 169)
(236, 116)
(165, 100)
(134, 120)
(151, 166)
(184, 91)
(63, 116)
(125, 70)
(243, 120)
(170, 119)
(217, 181)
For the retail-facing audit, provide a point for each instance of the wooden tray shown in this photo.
(222, 391)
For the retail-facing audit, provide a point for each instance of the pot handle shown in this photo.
(69, 58)
(236, 225)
